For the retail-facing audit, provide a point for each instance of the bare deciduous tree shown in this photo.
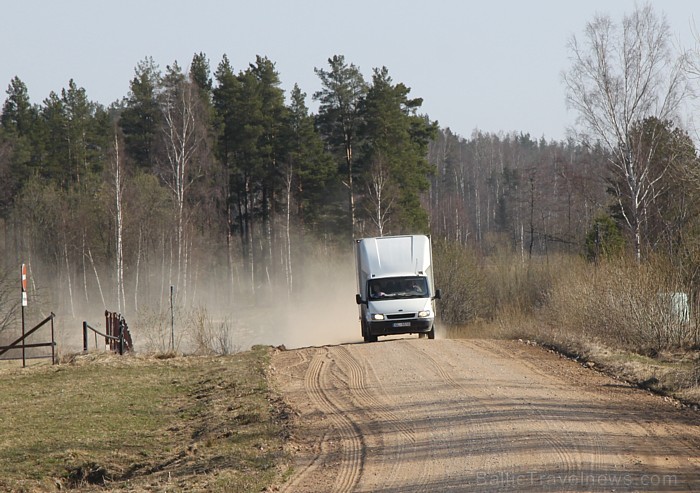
(117, 172)
(620, 76)
(9, 307)
(184, 138)
(379, 197)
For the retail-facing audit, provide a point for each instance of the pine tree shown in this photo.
(18, 122)
(18, 116)
(87, 132)
(250, 115)
(200, 73)
(55, 149)
(314, 173)
(394, 157)
(140, 119)
(272, 117)
(339, 119)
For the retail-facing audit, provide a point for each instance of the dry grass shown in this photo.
(617, 316)
(140, 423)
(478, 329)
(614, 315)
(624, 305)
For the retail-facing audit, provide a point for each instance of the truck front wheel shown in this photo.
(431, 334)
(366, 334)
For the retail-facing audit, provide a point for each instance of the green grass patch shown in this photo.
(195, 423)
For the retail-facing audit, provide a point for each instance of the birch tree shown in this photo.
(379, 198)
(184, 140)
(621, 75)
(117, 172)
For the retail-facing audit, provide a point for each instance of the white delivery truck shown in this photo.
(395, 283)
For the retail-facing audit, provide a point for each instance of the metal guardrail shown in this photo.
(19, 342)
(118, 336)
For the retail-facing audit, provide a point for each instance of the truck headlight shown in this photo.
(378, 316)
(423, 313)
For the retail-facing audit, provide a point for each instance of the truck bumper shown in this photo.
(387, 327)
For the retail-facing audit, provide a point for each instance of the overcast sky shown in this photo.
(492, 65)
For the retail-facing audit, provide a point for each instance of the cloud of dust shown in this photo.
(321, 312)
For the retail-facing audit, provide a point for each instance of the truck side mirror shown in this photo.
(438, 295)
(358, 299)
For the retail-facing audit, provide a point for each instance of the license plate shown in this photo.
(402, 324)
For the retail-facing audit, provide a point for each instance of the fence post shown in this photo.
(85, 337)
(53, 342)
(121, 336)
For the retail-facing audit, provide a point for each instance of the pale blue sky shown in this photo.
(494, 65)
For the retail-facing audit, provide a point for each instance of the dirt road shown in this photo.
(476, 415)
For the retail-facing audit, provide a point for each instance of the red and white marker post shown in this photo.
(23, 278)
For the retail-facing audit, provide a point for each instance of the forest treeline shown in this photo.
(213, 176)
(200, 179)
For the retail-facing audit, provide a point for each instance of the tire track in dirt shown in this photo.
(323, 393)
(547, 428)
(576, 451)
(319, 445)
(379, 421)
(475, 409)
(615, 432)
(331, 440)
(358, 371)
(417, 415)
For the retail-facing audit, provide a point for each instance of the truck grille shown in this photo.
(401, 315)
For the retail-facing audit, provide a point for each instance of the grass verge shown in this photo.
(671, 374)
(141, 423)
(674, 374)
(638, 322)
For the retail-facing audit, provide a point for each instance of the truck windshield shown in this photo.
(398, 287)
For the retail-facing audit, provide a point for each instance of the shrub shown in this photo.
(460, 278)
(638, 307)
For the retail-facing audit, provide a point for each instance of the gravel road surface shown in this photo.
(476, 415)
